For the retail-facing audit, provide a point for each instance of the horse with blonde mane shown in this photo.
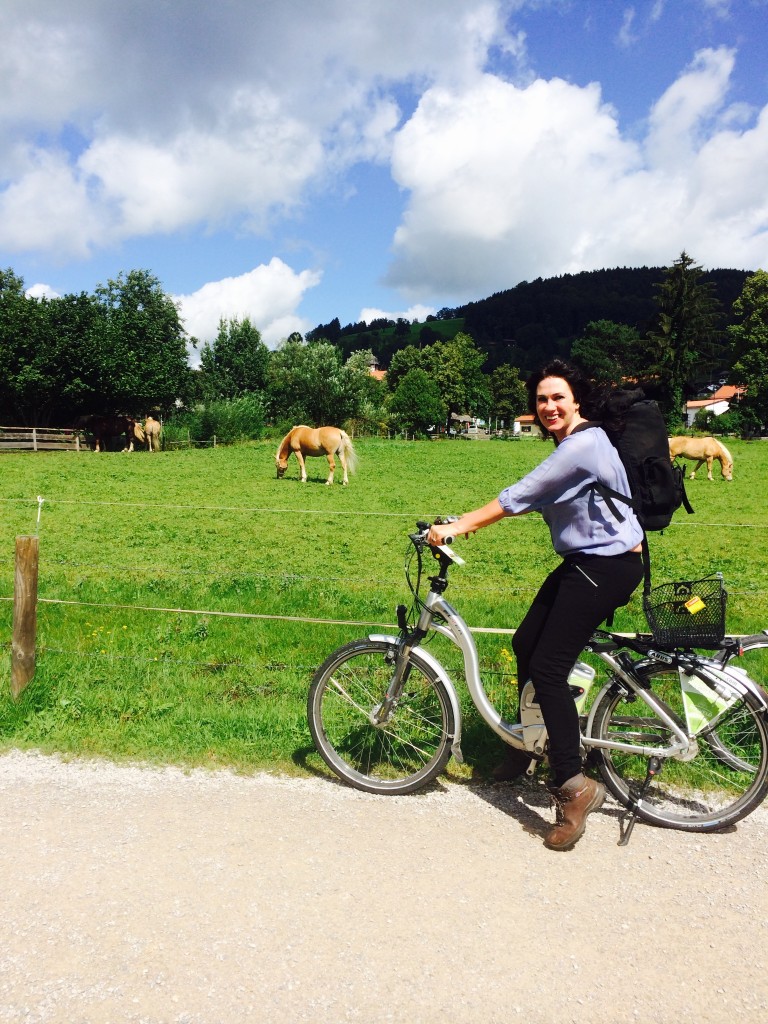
(305, 441)
(152, 430)
(701, 450)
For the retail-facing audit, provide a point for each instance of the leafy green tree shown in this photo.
(235, 363)
(142, 345)
(509, 396)
(402, 362)
(416, 404)
(687, 325)
(456, 367)
(609, 352)
(19, 345)
(308, 383)
(749, 338)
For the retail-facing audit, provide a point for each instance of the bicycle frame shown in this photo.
(525, 737)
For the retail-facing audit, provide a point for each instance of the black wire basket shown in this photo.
(687, 614)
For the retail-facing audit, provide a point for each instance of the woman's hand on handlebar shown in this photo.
(470, 522)
(441, 533)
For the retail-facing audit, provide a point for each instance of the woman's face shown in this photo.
(556, 408)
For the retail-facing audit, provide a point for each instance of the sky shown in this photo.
(292, 161)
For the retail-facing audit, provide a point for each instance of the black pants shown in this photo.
(572, 602)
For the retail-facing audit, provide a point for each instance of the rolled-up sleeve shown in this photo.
(561, 475)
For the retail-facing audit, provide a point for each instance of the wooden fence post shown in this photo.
(24, 614)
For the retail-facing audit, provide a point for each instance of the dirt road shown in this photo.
(132, 894)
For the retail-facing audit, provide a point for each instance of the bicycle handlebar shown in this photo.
(421, 538)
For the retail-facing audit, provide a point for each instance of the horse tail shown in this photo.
(349, 451)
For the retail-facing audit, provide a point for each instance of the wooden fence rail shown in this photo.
(41, 439)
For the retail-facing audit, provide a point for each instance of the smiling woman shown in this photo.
(601, 568)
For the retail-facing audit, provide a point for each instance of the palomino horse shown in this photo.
(152, 434)
(701, 450)
(328, 441)
(104, 428)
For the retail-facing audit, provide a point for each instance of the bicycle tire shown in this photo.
(397, 757)
(754, 661)
(722, 783)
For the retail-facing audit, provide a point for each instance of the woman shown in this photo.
(602, 565)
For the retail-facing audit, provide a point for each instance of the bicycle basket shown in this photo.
(687, 614)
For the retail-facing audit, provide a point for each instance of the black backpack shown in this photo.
(657, 485)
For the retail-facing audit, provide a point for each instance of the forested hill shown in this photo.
(539, 318)
(535, 319)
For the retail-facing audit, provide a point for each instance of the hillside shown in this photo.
(533, 320)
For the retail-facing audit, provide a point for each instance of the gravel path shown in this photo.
(133, 894)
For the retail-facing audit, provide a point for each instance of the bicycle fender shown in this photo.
(741, 682)
(427, 660)
(595, 704)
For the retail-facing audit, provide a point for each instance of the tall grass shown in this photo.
(240, 562)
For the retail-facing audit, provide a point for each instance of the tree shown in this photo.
(402, 362)
(509, 396)
(749, 338)
(307, 383)
(141, 345)
(19, 337)
(687, 327)
(608, 352)
(416, 404)
(456, 367)
(236, 363)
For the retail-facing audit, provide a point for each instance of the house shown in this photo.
(526, 425)
(718, 402)
(373, 369)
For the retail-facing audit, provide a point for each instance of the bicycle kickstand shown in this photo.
(654, 767)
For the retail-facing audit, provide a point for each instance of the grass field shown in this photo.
(176, 588)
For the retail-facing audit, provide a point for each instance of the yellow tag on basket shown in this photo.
(695, 604)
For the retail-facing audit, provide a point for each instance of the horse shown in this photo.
(701, 450)
(328, 441)
(152, 433)
(104, 428)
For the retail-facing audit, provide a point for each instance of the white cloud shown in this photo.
(268, 296)
(151, 117)
(417, 312)
(41, 291)
(509, 183)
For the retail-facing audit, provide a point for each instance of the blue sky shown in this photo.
(297, 160)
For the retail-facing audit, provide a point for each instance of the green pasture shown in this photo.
(186, 597)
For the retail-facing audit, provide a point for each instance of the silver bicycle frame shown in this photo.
(458, 632)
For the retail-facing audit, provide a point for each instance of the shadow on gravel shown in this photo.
(529, 803)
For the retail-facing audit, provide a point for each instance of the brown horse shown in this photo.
(701, 450)
(152, 433)
(328, 441)
(104, 428)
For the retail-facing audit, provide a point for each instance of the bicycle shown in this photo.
(680, 739)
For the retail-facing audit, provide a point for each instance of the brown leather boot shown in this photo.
(574, 801)
(513, 764)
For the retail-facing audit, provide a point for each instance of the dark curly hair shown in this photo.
(580, 386)
(605, 405)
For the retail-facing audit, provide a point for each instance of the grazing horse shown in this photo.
(701, 450)
(103, 428)
(152, 434)
(328, 441)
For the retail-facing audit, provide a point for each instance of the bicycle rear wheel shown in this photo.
(397, 756)
(722, 780)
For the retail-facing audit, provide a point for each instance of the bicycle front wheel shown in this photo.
(723, 778)
(396, 756)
